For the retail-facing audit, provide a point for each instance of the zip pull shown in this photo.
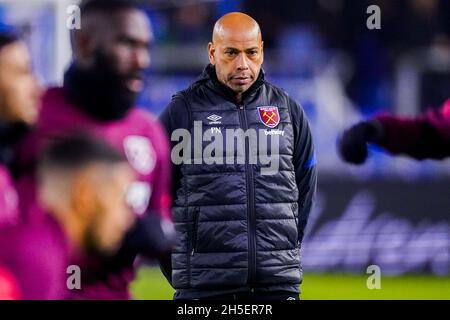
(241, 107)
(194, 230)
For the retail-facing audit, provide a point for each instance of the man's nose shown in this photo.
(242, 63)
(141, 58)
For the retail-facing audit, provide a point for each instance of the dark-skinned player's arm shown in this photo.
(424, 137)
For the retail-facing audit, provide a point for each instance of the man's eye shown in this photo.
(230, 53)
(128, 42)
(253, 53)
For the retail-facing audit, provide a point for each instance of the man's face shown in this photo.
(126, 44)
(112, 217)
(20, 91)
(237, 57)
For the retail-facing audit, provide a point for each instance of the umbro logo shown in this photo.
(214, 119)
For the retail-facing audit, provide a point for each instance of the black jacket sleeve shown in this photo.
(174, 116)
(305, 165)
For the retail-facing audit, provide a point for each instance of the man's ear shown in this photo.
(262, 52)
(82, 197)
(83, 47)
(211, 51)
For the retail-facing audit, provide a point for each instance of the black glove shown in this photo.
(151, 237)
(353, 143)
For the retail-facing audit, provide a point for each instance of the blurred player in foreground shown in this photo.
(424, 137)
(82, 185)
(110, 54)
(19, 100)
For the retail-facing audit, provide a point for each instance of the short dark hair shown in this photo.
(76, 151)
(7, 38)
(107, 6)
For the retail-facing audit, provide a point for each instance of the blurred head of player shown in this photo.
(19, 89)
(111, 51)
(236, 51)
(83, 183)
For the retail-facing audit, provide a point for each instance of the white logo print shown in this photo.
(140, 154)
(214, 119)
(138, 196)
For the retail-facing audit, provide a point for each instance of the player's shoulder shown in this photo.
(142, 115)
(54, 101)
(51, 98)
(52, 93)
(146, 121)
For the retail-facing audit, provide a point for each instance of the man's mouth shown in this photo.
(241, 80)
(135, 83)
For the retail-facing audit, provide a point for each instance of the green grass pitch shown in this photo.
(151, 285)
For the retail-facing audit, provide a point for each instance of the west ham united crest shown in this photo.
(269, 116)
(140, 153)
